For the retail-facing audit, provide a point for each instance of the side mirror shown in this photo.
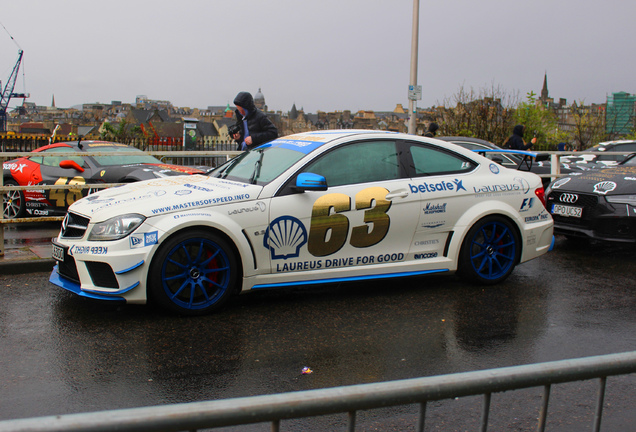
(311, 182)
(71, 164)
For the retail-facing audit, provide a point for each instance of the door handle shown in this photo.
(400, 193)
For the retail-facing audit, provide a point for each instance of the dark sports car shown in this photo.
(540, 166)
(49, 168)
(599, 158)
(597, 204)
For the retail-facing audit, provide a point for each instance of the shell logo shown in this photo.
(284, 237)
(604, 187)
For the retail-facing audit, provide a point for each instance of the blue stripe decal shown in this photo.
(348, 279)
(301, 146)
(552, 244)
(130, 268)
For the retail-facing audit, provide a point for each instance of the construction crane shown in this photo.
(7, 93)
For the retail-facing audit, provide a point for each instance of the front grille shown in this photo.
(589, 203)
(102, 274)
(584, 200)
(74, 225)
(598, 218)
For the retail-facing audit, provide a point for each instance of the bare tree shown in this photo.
(588, 125)
(487, 114)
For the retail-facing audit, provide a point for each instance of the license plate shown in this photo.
(567, 211)
(57, 253)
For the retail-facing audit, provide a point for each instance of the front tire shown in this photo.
(193, 273)
(490, 251)
(13, 204)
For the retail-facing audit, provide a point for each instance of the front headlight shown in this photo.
(622, 199)
(116, 228)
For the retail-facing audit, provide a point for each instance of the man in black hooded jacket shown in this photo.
(255, 128)
(516, 142)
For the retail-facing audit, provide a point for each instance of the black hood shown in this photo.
(620, 180)
(518, 130)
(246, 101)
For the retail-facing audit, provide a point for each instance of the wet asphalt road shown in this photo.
(63, 354)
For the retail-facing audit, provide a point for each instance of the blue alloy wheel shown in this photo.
(193, 273)
(490, 251)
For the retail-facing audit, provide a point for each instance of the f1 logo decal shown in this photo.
(526, 204)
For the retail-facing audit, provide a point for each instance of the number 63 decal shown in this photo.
(328, 232)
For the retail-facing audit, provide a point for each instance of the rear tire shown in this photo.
(490, 251)
(193, 273)
(13, 204)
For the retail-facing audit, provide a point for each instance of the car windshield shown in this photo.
(124, 156)
(258, 166)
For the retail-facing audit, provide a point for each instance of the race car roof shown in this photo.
(306, 142)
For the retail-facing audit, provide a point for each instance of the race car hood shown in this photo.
(609, 181)
(162, 196)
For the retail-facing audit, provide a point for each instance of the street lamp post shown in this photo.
(415, 91)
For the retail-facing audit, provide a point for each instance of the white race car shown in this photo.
(311, 208)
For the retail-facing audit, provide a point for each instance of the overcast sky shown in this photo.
(321, 55)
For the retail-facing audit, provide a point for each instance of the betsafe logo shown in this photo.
(455, 185)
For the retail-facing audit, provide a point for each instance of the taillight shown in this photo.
(540, 193)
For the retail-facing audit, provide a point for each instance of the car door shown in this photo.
(440, 179)
(367, 215)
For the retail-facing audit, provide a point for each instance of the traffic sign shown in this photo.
(415, 92)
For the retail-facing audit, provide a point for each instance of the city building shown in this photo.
(620, 115)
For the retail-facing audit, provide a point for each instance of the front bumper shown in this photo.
(113, 272)
(76, 288)
(620, 230)
(599, 219)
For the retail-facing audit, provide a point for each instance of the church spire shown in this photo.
(544, 90)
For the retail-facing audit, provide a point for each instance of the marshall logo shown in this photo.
(434, 208)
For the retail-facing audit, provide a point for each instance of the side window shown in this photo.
(433, 161)
(51, 159)
(361, 162)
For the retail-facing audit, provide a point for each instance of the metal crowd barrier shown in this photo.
(351, 399)
(554, 158)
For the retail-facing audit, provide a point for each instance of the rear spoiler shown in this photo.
(527, 157)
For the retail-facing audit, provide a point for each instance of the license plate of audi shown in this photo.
(567, 211)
